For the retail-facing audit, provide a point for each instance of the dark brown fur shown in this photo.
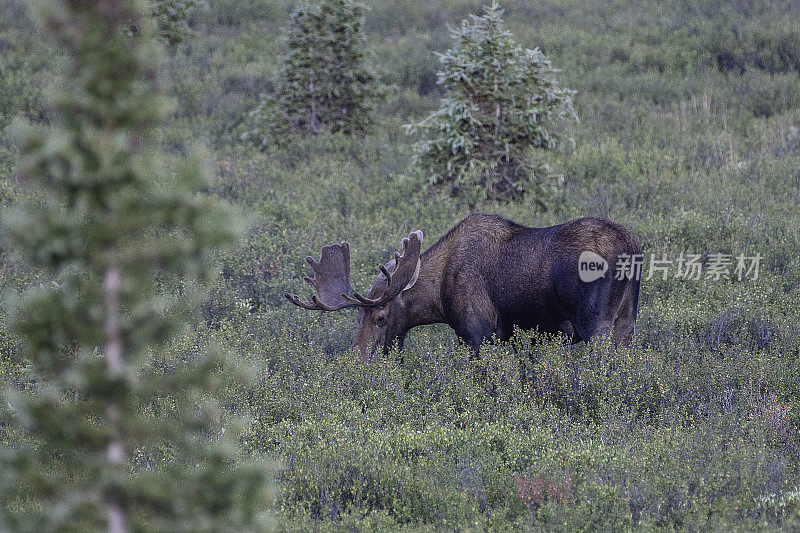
(488, 274)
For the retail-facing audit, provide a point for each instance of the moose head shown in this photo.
(382, 313)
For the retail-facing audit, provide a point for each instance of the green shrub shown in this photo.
(501, 102)
(172, 18)
(324, 84)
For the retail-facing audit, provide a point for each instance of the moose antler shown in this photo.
(331, 281)
(406, 269)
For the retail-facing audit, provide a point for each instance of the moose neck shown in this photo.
(423, 301)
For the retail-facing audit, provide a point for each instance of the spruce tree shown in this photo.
(110, 224)
(324, 83)
(501, 103)
(172, 18)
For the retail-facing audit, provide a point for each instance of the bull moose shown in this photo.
(485, 276)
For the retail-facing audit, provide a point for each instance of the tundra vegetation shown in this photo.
(689, 135)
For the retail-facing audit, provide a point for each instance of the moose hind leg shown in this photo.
(625, 321)
(611, 310)
(623, 331)
(591, 327)
(596, 315)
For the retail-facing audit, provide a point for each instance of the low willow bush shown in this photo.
(538, 434)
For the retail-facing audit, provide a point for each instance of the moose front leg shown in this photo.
(470, 312)
(476, 327)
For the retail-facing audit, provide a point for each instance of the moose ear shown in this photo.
(411, 283)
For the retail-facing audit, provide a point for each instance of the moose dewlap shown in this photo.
(485, 276)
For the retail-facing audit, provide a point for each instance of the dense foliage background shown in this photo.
(689, 135)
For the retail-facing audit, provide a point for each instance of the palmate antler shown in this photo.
(406, 268)
(331, 281)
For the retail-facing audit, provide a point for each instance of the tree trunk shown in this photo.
(115, 452)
